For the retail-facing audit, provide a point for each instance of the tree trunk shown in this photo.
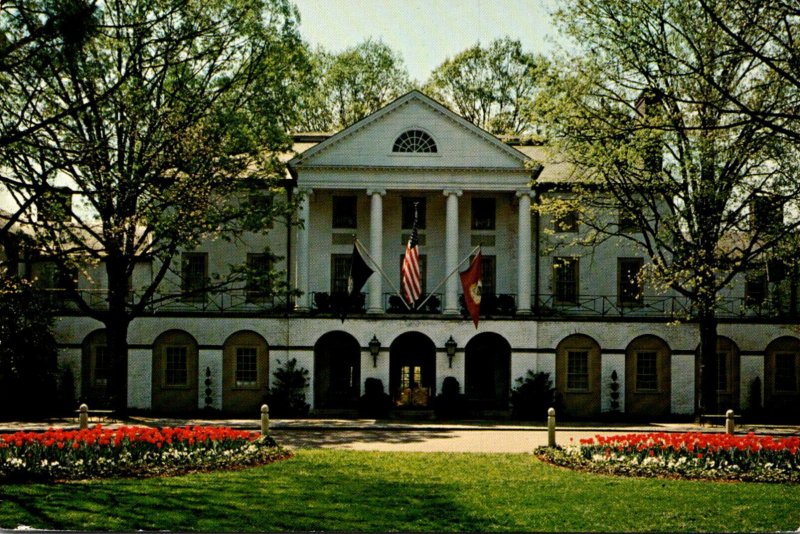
(707, 375)
(117, 346)
(116, 322)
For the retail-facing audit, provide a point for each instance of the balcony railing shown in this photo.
(677, 307)
(503, 305)
(229, 301)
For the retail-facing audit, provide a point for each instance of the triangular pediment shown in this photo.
(369, 143)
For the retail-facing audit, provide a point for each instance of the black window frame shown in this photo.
(630, 290)
(561, 283)
(646, 370)
(578, 370)
(194, 281)
(344, 212)
(240, 372)
(407, 213)
(258, 287)
(484, 213)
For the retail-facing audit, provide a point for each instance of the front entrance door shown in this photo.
(413, 371)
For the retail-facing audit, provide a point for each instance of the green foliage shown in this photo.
(493, 87)
(375, 402)
(640, 112)
(450, 403)
(287, 396)
(184, 109)
(344, 88)
(532, 396)
(27, 352)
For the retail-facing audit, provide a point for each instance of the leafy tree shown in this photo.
(27, 351)
(204, 91)
(33, 36)
(492, 87)
(640, 112)
(344, 88)
(768, 31)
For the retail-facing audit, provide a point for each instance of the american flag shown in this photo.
(410, 280)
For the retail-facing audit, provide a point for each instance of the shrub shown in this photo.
(28, 352)
(532, 396)
(450, 403)
(374, 402)
(287, 396)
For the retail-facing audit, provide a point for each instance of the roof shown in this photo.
(556, 170)
(305, 156)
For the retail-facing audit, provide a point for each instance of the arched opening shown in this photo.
(337, 371)
(96, 369)
(727, 378)
(245, 372)
(648, 377)
(782, 379)
(412, 364)
(487, 380)
(174, 379)
(578, 375)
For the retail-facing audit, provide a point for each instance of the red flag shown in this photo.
(471, 282)
(410, 279)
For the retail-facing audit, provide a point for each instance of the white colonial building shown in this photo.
(576, 313)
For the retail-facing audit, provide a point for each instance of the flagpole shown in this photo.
(446, 278)
(363, 249)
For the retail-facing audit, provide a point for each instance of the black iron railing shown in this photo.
(502, 305)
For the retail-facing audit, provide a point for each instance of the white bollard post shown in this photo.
(551, 427)
(264, 420)
(83, 417)
(729, 422)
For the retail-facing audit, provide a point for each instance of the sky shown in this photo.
(426, 32)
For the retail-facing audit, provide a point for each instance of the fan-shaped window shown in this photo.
(415, 141)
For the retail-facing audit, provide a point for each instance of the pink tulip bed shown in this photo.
(688, 455)
(130, 451)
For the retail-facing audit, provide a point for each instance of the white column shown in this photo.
(376, 250)
(524, 254)
(451, 306)
(304, 212)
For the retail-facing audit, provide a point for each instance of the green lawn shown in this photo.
(344, 490)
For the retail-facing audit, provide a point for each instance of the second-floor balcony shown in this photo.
(241, 301)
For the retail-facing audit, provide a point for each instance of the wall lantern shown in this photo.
(374, 349)
(450, 347)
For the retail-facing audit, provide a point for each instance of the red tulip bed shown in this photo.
(130, 451)
(689, 455)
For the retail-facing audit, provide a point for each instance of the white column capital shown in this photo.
(381, 192)
(456, 192)
(524, 193)
(306, 191)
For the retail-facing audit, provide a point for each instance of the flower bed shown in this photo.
(690, 455)
(130, 451)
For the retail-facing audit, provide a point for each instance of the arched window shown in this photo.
(415, 141)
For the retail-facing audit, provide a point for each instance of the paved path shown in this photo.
(426, 440)
(367, 434)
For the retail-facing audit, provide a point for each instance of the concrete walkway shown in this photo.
(391, 435)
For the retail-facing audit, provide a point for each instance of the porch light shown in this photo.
(450, 347)
(374, 349)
